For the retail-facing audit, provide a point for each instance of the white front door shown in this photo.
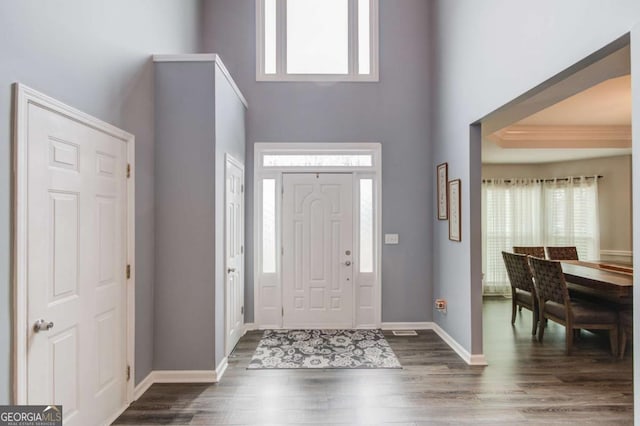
(317, 251)
(234, 247)
(76, 268)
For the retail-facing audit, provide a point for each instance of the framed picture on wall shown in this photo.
(442, 175)
(455, 210)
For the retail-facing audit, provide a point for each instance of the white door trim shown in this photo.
(23, 97)
(267, 313)
(232, 160)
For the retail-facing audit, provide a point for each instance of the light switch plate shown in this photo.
(391, 239)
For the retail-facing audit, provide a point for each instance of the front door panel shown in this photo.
(317, 250)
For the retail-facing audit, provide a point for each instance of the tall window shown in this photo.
(511, 215)
(526, 212)
(572, 215)
(317, 40)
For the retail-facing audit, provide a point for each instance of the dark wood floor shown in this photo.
(525, 382)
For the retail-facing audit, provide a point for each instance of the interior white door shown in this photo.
(76, 268)
(317, 250)
(234, 246)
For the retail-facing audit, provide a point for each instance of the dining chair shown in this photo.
(562, 253)
(554, 304)
(626, 330)
(523, 293)
(535, 251)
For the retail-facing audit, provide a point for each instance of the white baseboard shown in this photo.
(184, 376)
(179, 376)
(475, 359)
(407, 326)
(250, 326)
(221, 368)
(143, 386)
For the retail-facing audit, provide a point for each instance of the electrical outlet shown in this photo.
(441, 305)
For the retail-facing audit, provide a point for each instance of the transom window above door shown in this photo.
(317, 160)
(317, 40)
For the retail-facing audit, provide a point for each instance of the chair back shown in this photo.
(549, 281)
(562, 253)
(518, 271)
(535, 251)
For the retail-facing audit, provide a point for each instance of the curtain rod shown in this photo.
(565, 179)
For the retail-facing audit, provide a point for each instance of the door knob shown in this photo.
(42, 325)
(347, 263)
(230, 270)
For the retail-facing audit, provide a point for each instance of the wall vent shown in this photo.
(405, 333)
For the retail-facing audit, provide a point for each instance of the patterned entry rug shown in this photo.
(284, 349)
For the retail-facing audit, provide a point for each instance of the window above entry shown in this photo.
(317, 40)
(317, 160)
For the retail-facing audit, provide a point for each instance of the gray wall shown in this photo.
(614, 191)
(488, 53)
(394, 111)
(93, 55)
(231, 139)
(185, 208)
(199, 118)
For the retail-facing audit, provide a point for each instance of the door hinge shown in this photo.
(128, 170)
(242, 310)
(283, 311)
(128, 271)
(242, 188)
(128, 373)
(241, 249)
(282, 251)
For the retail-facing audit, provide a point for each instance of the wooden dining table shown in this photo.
(605, 280)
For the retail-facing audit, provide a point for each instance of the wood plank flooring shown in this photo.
(525, 382)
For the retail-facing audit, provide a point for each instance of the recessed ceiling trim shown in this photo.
(562, 137)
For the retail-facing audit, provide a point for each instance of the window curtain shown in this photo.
(572, 217)
(511, 217)
(531, 212)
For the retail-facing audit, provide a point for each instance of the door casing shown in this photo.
(268, 286)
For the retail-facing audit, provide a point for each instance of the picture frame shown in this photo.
(442, 177)
(454, 190)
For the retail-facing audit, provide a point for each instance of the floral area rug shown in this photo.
(284, 349)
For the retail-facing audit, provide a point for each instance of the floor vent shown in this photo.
(405, 333)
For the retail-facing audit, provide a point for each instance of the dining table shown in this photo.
(609, 281)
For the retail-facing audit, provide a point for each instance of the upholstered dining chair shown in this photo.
(554, 304)
(562, 253)
(535, 251)
(626, 330)
(523, 293)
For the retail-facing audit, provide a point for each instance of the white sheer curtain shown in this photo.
(531, 212)
(510, 217)
(572, 219)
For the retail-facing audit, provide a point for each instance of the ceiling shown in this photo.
(603, 112)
